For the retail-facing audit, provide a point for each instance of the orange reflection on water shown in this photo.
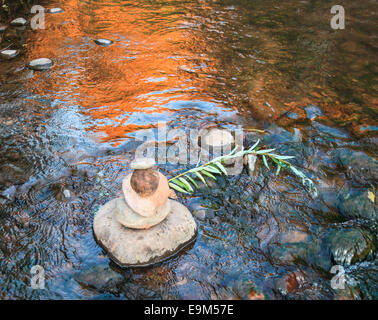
(142, 71)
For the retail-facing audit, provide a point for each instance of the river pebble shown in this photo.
(40, 64)
(8, 54)
(55, 10)
(103, 42)
(18, 22)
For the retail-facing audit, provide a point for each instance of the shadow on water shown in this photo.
(67, 137)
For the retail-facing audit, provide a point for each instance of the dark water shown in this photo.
(191, 64)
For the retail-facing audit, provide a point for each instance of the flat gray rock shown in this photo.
(8, 54)
(133, 248)
(103, 42)
(40, 64)
(18, 22)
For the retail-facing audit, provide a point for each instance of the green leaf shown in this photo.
(179, 183)
(187, 184)
(220, 166)
(264, 151)
(208, 174)
(212, 169)
(201, 178)
(281, 157)
(265, 162)
(177, 188)
(254, 146)
(192, 180)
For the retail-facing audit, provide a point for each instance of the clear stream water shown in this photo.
(191, 64)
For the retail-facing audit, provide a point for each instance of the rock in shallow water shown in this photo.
(313, 112)
(142, 163)
(55, 10)
(100, 277)
(349, 246)
(18, 22)
(40, 64)
(359, 204)
(103, 42)
(130, 247)
(3, 27)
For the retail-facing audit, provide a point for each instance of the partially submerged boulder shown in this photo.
(134, 248)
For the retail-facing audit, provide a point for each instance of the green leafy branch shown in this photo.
(186, 182)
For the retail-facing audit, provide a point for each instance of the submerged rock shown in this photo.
(40, 64)
(3, 27)
(131, 247)
(99, 277)
(313, 112)
(18, 22)
(349, 246)
(8, 54)
(359, 204)
(357, 161)
(103, 42)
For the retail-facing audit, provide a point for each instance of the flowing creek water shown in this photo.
(269, 65)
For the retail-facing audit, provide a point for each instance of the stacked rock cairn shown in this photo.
(143, 226)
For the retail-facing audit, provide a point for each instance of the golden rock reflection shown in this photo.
(141, 72)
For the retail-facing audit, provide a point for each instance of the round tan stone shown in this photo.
(130, 219)
(134, 248)
(218, 138)
(146, 206)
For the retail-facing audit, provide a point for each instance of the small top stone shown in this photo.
(55, 10)
(18, 22)
(142, 163)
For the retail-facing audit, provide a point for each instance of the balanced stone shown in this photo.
(19, 22)
(130, 219)
(145, 195)
(218, 138)
(131, 247)
(8, 54)
(142, 163)
(103, 42)
(40, 64)
(56, 10)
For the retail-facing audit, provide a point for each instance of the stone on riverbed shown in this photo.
(100, 277)
(55, 10)
(349, 246)
(8, 54)
(3, 27)
(313, 112)
(359, 204)
(217, 138)
(40, 64)
(18, 22)
(132, 248)
(103, 42)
